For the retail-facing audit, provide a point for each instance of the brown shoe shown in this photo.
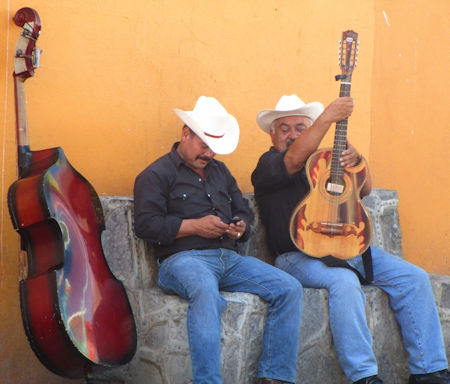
(265, 380)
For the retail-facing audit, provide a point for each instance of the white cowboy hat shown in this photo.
(213, 124)
(288, 106)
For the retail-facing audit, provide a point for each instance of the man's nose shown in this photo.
(293, 134)
(209, 153)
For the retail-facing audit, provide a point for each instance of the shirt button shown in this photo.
(200, 180)
(209, 195)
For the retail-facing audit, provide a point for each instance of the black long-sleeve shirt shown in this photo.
(277, 194)
(169, 191)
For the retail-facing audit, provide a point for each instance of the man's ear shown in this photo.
(185, 133)
(272, 133)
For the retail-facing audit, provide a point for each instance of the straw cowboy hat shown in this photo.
(288, 106)
(213, 124)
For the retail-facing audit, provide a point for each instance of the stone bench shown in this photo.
(162, 355)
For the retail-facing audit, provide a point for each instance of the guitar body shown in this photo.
(75, 312)
(328, 222)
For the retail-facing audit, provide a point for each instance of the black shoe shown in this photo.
(439, 377)
(369, 380)
(264, 380)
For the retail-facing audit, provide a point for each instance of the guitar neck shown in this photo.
(340, 136)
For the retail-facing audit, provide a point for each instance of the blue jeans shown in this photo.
(198, 275)
(411, 299)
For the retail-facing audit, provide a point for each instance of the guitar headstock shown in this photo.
(348, 52)
(26, 58)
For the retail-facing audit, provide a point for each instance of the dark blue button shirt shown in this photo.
(168, 191)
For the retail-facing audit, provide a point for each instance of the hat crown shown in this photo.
(213, 124)
(289, 103)
(207, 108)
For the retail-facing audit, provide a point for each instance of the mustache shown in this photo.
(289, 143)
(204, 158)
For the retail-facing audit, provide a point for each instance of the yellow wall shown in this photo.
(410, 122)
(112, 71)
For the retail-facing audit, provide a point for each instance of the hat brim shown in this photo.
(266, 117)
(222, 145)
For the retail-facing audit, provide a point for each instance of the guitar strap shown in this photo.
(332, 261)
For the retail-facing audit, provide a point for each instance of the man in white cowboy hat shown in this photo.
(280, 182)
(185, 203)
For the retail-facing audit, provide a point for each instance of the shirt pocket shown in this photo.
(225, 197)
(179, 203)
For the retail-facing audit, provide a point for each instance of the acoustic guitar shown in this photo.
(331, 220)
(76, 314)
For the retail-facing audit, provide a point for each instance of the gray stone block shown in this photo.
(382, 206)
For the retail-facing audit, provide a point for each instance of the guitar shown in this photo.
(331, 220)
(76, 314)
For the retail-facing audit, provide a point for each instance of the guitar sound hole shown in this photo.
(335, 188)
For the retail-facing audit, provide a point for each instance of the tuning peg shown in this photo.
(36, 57)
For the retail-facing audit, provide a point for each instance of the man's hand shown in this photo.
(210, 227)
(235, 231)
(350, 156)
(338, 109)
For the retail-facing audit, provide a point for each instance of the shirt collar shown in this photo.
(175, 156)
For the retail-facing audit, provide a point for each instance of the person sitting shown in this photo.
(189, 207)
(280, 182)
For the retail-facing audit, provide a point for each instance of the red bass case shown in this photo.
(76, 314)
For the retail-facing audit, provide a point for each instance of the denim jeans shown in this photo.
(198, 275)
(411, 299)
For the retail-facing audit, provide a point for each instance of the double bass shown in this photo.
(76, 314)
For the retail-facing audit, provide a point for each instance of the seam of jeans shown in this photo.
(419, 346)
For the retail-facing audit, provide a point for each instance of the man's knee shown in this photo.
(292, 287)
(418, 276)
(345, 282)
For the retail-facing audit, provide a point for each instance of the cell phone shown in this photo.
(234, 220)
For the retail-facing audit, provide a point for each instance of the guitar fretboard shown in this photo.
(340, 137)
